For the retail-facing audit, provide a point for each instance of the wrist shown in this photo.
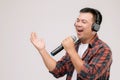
(42, 50)
(71, 52)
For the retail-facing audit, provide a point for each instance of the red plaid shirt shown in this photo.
(97, 61)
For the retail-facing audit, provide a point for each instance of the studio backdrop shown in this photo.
(52, 20)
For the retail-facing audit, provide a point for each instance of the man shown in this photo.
(89, 59)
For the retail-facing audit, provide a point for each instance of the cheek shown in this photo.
(88, 30)
(87, 27)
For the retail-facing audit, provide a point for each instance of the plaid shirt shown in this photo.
(97, 61)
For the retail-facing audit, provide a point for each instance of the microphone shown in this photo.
(59, 48)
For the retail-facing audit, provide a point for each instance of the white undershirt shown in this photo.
(81, 50)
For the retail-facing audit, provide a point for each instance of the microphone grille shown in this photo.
(74, 38)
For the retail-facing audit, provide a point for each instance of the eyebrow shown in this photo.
(82, 19)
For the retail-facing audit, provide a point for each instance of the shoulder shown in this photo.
(104, 47)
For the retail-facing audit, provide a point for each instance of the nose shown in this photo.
(76, 24)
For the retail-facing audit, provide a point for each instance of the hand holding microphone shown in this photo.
(67, 44)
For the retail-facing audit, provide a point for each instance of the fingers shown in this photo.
(68, 39)
(33, 36)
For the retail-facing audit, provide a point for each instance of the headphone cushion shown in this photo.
(95, 27)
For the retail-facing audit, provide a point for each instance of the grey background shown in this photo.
(52, 20)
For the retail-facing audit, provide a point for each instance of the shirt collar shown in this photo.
(92, 42)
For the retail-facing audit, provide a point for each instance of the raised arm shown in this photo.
(39, 44)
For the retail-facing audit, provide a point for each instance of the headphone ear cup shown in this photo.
(95, 27)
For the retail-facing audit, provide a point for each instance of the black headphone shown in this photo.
(96, 26)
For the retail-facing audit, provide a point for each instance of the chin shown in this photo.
(79, 36)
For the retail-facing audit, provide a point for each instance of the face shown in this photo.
(83, 25)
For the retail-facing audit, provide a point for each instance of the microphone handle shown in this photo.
(58, 49)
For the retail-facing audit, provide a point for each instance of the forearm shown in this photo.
(62, 67)
(76, 60)
(50, 63)
(69, 46)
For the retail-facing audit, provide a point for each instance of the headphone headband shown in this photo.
(96, 25)
(97, 17)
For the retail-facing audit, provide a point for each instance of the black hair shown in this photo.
(96, 14)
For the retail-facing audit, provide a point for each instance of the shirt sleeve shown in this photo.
(61, 67)
(97, 66)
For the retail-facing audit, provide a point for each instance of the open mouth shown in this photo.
(79, 31)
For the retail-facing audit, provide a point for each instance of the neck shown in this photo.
(88, 39)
